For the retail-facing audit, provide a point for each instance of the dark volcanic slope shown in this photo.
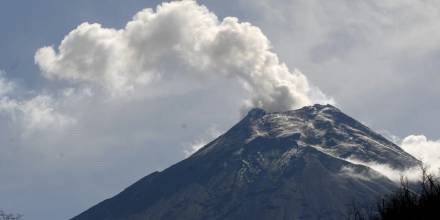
(290, 165)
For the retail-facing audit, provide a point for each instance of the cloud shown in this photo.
(179, 40)
(34, 114)
(5, 85)
(31, 114)
(211, 133)
(395, 175)
(428, 151)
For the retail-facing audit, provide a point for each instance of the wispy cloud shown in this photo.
(412, 174)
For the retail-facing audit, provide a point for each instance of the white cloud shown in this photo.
(395, 175)
(34, 114)
(31, 114)
(428, 151)
(179, 39)
(5, 85)
(195, 146)
(211, 133)
(420, 147)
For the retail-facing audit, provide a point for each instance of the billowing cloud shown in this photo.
(179, 39)
(423, 149)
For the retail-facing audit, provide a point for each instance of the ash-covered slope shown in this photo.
(289, 165)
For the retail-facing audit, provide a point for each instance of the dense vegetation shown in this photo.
(406, 203)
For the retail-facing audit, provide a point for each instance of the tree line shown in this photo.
(408, 202)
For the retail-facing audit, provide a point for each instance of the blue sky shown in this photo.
(72, 138)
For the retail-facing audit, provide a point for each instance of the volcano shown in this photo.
(281, 165)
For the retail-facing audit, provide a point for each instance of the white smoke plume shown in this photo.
(178, 39)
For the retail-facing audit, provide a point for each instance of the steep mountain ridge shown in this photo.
(282, 165)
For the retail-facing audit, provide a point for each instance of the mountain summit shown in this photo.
(281, 165)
